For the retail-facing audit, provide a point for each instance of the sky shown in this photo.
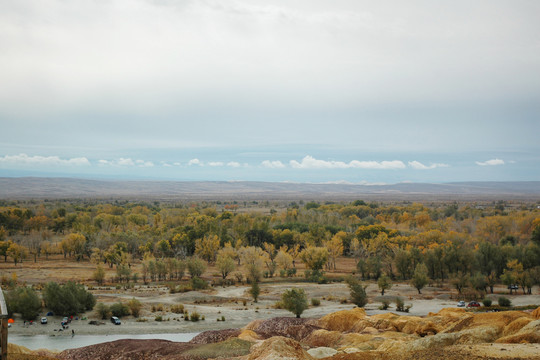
(318, 91)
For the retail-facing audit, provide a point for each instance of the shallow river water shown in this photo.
(64, 342)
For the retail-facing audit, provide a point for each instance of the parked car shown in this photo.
(461, 303)
(115, 320)
(43, 320)
(473, 304)
(513, 287)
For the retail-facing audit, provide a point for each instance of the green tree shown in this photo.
(68, 299)
(357, 291)
(17, 252)
(535, 237)
(4, 247)
(460, 281)
(384, 283)
(225, 265)
(420, 277)
(314, 257)
(135, 307)
(479, 282)
(255, 290)
(295, 300)
(99, 275)
(196, 267)
(24, 300)
(403, 263)
(103, 311)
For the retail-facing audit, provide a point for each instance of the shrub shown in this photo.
(196, 267)
(255, 290)
(119, 310)
(358, 292)
(295, 300)
(198, 284)
(384, 283)
(315, 276)
(177, 309)
(400, 304)
(487, 302)
(158, 318)
(135, 307)
(385, 305)
(279, 305)
(291, 272)
(195, 316)
(103, 311)
(504, 301)
(315, 302)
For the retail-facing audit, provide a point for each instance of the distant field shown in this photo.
(68, 188)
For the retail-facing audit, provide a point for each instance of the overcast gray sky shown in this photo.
(382, 91)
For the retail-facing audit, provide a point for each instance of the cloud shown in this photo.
(419, 166)
(195, 162)
(126, 162)
(310, 162)
(491, 162)
(24, 159)
(276, 164)
(215, 163)
(234, 164)
(142, 163)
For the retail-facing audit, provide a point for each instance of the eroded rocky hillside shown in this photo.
(349, 334)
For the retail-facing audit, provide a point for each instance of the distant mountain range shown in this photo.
(66, 188)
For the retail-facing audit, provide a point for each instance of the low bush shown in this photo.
(198, 284)
(119, 310)
(504, 301)
(195, 316)
(177, 309)
(315, 302)
(385, 305)
(487, 302)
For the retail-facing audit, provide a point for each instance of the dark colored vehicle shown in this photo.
(513, 287)
(115, 320)
(473, 304)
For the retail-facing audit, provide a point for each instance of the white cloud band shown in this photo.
(419, 166)
(24, 159)
(492, 162)
(310, 162)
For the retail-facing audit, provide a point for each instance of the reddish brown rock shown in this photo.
(214, 336)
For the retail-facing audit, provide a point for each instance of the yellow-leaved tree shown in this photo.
(207, 247)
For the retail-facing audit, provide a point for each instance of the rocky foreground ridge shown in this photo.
(345, 335)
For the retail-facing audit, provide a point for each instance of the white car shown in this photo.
(461, 304)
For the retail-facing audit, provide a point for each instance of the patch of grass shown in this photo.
(225, 349)
(177, 309)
